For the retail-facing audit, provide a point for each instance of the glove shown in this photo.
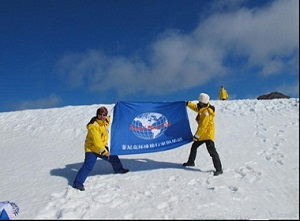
(105, 152)
(196, 137)
(186, 103)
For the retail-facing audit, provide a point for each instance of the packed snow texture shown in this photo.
(257, 140)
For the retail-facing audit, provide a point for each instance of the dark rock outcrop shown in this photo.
(272, 95)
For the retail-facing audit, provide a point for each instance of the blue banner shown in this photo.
(144, 127)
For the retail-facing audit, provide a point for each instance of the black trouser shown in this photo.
(210, 145)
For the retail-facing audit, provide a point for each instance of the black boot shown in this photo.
(188, 164)
(218, 172)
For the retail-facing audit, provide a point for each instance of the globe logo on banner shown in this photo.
(149, 126)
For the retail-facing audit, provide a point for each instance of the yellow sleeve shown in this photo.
(192, 106)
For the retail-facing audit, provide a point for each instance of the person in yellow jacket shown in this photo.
(95, 146)
(205, 132)
(223, 95)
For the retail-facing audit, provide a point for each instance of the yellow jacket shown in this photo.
(97, 136)
(205, 120)
(223, 94)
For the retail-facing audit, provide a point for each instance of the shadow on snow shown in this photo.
(103, 167)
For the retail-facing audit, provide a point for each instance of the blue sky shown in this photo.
(57, 53)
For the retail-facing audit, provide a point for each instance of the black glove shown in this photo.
(196, 138)
(104, 152)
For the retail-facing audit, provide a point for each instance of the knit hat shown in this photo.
(8, 210)
(203, 98)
